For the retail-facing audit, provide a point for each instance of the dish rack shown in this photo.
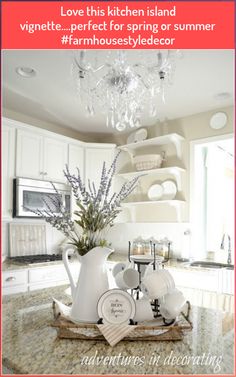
(155, 304)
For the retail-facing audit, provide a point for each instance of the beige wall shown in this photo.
(66, 131)
(197, 126)
(192, 127)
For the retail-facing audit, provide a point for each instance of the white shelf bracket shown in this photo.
(130, 153)
(178, 179)
(178, 207)
(177, 144)
(133, 214)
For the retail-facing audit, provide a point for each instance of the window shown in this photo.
(212, 200)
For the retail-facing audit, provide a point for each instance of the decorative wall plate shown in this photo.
(116, 307)
(170, 190)
(218, 120)
(140, 135)
(155, 192)
(136, 136)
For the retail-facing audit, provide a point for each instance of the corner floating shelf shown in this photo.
(177, 204)
(173, 202)
(173, 170)
(173, 138)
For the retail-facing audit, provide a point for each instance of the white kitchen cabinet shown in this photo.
(40, 157)
(213, 280)
(95, 155)
(51, 275)
(33, 278)
(47, 276)
(29, 155)
(76, 159)
(14, 281)
(55, 159)
(8, 171)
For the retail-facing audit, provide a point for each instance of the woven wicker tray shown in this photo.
(154, 330)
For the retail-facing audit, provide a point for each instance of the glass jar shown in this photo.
(138, 246)
(147, 247)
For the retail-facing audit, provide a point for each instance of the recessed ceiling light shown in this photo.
(26, 72)
(222, 96)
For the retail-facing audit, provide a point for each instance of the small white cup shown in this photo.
(171, 304)
(127, 279)
(143, 310)
(157, 284)
(118, 268)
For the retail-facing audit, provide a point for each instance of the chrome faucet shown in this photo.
(222, 246)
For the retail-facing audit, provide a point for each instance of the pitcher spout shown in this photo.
(98, 252)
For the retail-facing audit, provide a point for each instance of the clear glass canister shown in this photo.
(138, 246)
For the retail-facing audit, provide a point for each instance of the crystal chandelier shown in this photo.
(122, 84)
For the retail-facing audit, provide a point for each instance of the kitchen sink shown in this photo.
(208, 264)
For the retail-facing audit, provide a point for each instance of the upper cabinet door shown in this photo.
(8, 165)
(29, 155)
(76, 159)
(55, 159)
(94, 158)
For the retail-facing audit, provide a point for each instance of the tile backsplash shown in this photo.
(120, 234)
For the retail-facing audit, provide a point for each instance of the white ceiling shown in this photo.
(50, 96)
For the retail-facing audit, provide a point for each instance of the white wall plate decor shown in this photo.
(218, 120)
(155, 192)
(136, 136)
(169, 190)
(116, 307)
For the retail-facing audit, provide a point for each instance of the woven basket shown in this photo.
(147, 162)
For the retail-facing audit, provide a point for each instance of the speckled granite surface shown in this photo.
(9, 265)
(30, 344)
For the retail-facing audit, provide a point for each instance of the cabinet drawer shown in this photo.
(12, 278)
(42, 274)
(14, 289)
(46, 284)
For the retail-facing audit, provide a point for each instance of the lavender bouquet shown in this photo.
(97, 209)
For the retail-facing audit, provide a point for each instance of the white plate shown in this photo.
(169, 190)
(218, 120)
(155, 192)
(146, 258)
(116, 307)
(140, 135)
(136, 136)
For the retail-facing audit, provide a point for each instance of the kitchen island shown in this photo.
(30, 345)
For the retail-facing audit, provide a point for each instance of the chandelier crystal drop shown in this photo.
(122, 84)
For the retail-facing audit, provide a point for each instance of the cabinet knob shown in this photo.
(41, 173)
(45, 173)
(11, 278)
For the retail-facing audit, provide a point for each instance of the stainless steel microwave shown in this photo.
(32, 193)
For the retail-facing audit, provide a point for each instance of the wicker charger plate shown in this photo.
(153, 330)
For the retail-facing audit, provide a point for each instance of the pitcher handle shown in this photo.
(68, 270)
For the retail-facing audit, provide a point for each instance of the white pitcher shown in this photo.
(92, 283)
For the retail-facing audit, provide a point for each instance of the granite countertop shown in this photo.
(9, 265)
(30, 345)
